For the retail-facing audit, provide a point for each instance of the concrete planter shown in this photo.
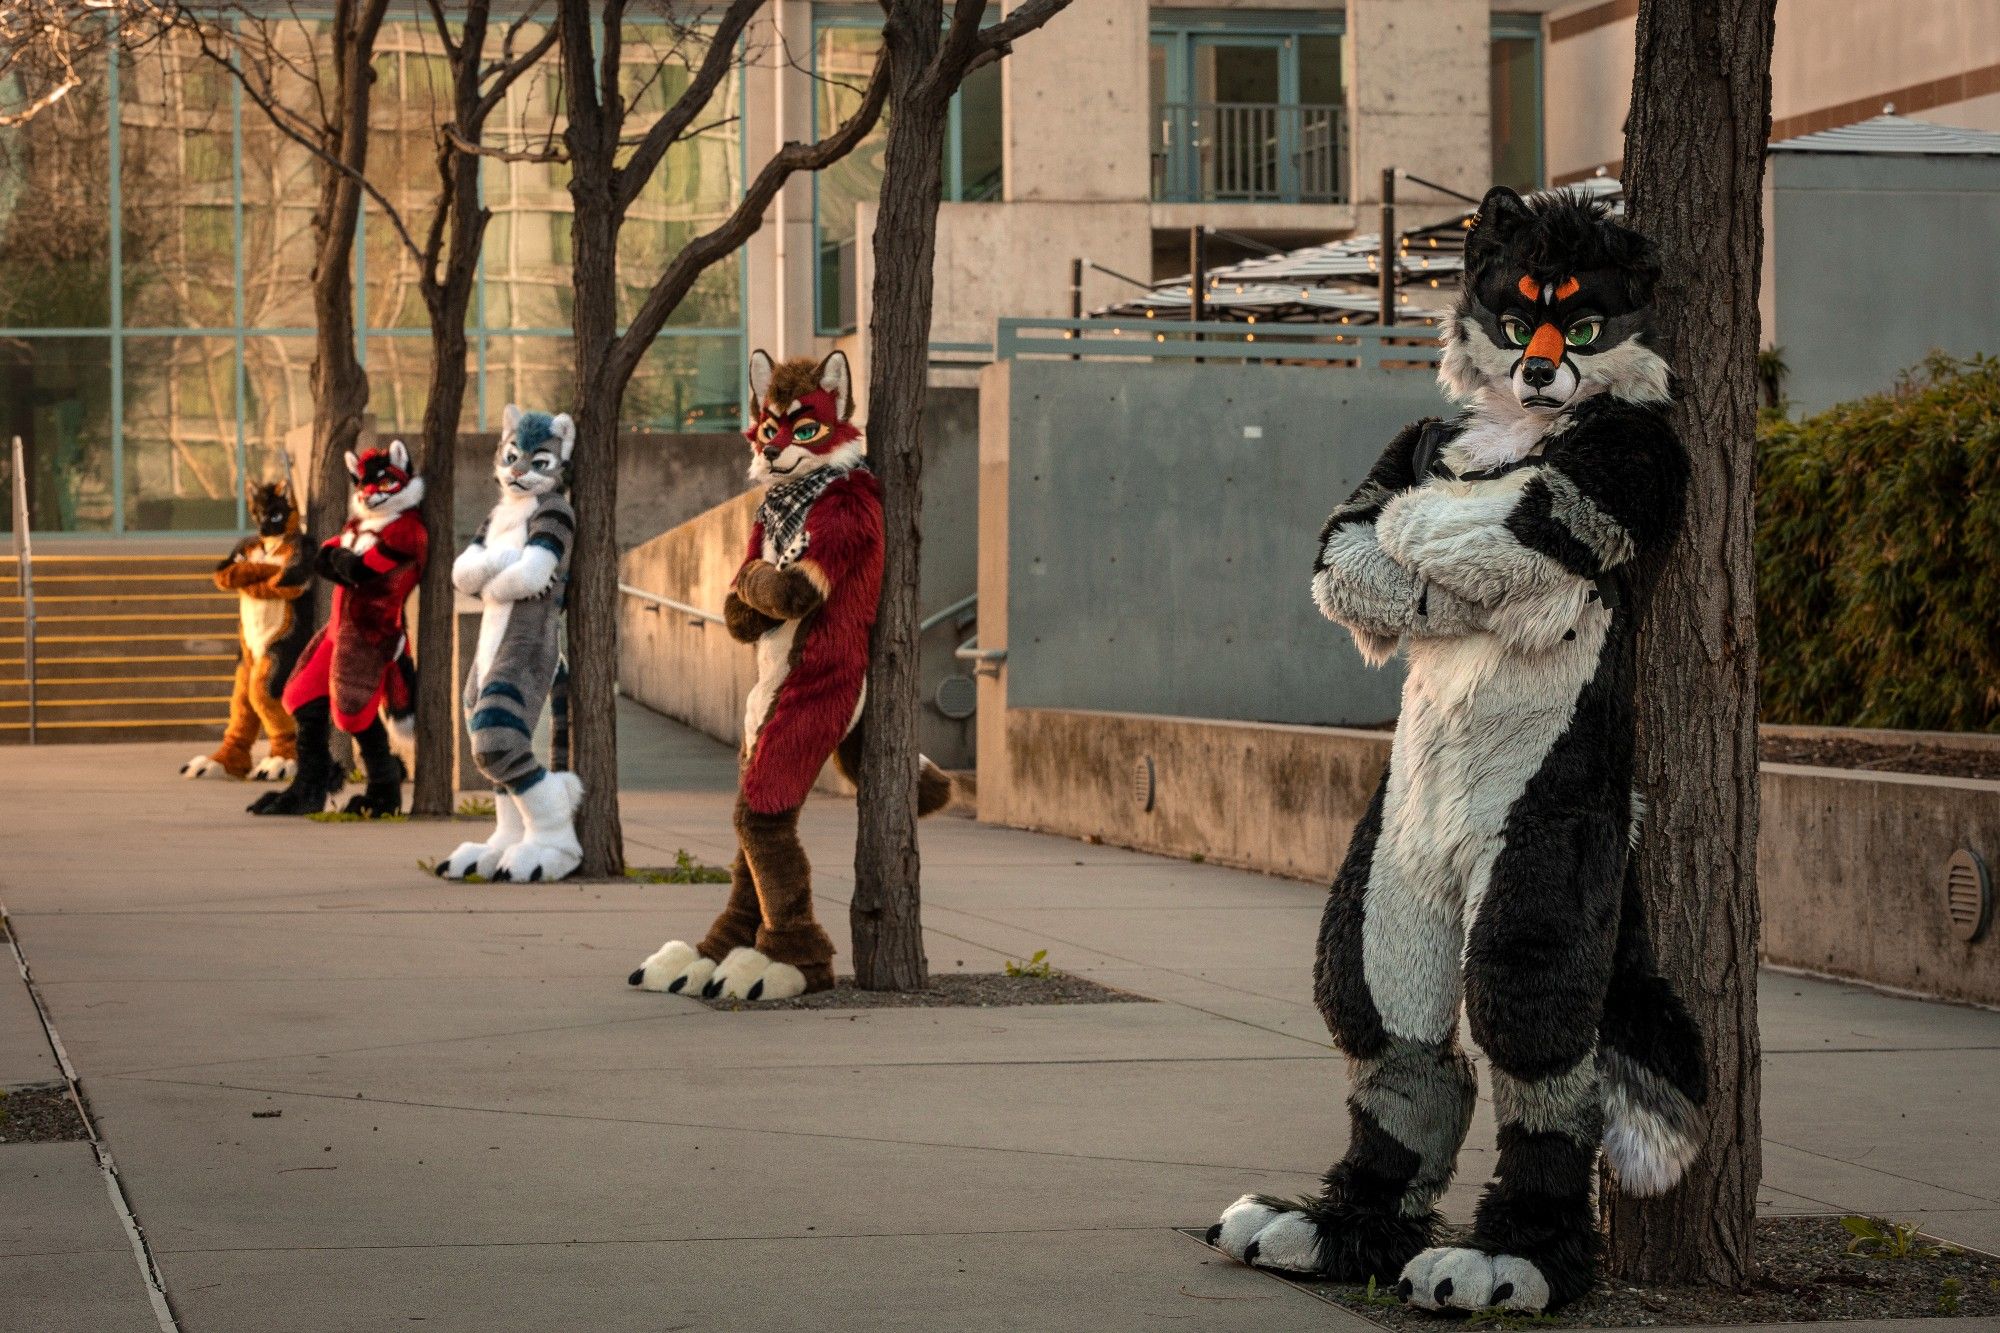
(1850, 863)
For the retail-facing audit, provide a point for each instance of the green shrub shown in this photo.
(1878, 541)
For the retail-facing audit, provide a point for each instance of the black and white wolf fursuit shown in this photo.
(1505, 552)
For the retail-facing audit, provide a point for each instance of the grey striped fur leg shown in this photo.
(503, 738)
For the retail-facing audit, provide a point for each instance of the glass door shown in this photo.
(1242, 86)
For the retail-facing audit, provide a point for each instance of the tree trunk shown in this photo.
(435, 789)
(339, 384)
(591, 137)
(885, 914)
(1701, 100)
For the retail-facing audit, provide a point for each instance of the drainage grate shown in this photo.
(957, 697)
(1142, 783)
(1968, 895)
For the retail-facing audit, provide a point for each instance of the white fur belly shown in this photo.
(492, 629)
(774, 663)
(263, 620)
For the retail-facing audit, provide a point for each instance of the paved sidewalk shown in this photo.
(483, 1128)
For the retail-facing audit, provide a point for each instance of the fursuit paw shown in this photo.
(535, 862)
(206, 766)
(747, 974)
(676, 969)
(273, 769)
(1261, 1233)
(1450, 1278)
(376, 802)
(292, 800)
(471, 858)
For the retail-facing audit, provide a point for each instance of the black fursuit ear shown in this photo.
(1501, 213)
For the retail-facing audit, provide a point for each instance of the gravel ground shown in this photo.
(1838, 752)
(39, 1113)
(950, 990)
(1807, 1275)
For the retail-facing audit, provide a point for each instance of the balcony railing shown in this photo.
(1250, 152)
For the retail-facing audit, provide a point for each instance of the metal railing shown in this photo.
(698, 617)
(1250, 152)
(24, 579)
(1360, 346)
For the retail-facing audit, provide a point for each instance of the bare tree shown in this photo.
(50, 48)
(927, 61)
(607, 174)
(446, 259)
(448, 267)
(1701, 110)
(333, 88)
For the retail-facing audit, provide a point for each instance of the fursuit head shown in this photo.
(805, 598)
(1504, 553)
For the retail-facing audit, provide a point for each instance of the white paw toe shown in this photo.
(1289, 1243)
(1455, 1278)
(274, 769)
(461, 862)
(677, 969)
(537, 862)
(1241, 1221)
(1529, 1289)
(747, 974)
(201, 766)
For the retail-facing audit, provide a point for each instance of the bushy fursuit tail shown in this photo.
(399, 709)
(934, 786)
(1651, 1074)
(559, 718)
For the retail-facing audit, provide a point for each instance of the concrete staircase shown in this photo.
(136, 645)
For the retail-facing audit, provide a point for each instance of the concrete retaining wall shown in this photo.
(1850, 865)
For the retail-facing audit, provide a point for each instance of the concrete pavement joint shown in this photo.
(718, 1127)
(666, 1240)
(149, 1270)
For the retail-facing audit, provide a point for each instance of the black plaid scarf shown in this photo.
(786, 504)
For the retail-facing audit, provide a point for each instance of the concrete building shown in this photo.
(1834, 62)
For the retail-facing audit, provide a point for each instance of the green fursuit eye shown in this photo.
(1584, 332)
(1516, 331)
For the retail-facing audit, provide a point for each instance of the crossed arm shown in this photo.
(1520, 558)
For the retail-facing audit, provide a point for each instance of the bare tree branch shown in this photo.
(1017, 25)
(715, 66)
(283, 119)
(704, 251)
(464, 145)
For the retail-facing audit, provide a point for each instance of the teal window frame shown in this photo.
(837, 17)
(478, 334)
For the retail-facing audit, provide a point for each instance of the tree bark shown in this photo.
(591, 137)
(339, 384)
(1700, 119)
(886, 912)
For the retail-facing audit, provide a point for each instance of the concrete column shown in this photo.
(778, 106)
(1075, 103)
(1419, 97)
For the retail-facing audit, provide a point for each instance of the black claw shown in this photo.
(536, 876)
(440, 868)
(1443, 1292)
(638, 975)
(756, 991)
(1403, 1289)
(711, 990)
(1251, 1251)
(502, 877)
(1502, 1292)
(1214, 1234)
(675, 989)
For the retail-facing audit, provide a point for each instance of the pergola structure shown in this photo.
(1337, 282)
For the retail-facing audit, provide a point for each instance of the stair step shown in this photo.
(49, 711)
(204, 625)
(206, 685)
(53, 666)
(102, 733)
(219, 641)
(173, 603)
